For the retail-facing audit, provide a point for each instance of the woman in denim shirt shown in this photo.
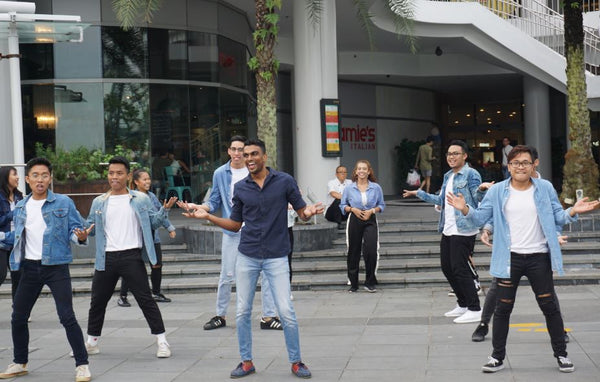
(364, 198)
(9, 196)
(142, 182)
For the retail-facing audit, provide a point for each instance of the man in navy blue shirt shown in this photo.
(261, 202)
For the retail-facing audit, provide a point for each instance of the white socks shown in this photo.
(93, 340)
(162, 337)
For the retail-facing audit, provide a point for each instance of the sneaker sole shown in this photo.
(242, 376)
(567, 369)
(490, 369)
(467, 321)
(453, 314)
(12, 375)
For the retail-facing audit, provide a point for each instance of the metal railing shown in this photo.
(539, 20)
(587, 5)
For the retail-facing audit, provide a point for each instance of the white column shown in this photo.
(16, 109)
(6, 154)
(315, 77)
(537, 122)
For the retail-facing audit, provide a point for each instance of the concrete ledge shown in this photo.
(206, 239)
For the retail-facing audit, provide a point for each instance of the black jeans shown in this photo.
(129, 265)
(4, 266)
(334, 214)
(538, 269)
(33, 278)
(155, 274)
(454, 258)
(362, 236)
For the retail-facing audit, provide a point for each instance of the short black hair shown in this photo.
(237, 138)
(256, 142)
(429, 139)
(119, 160)
(534, 153)
(522, 149)
(36, 162)
(462, 144)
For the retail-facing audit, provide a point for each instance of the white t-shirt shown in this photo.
(12, 208)
(335, 185)
(237, 174)
(526, 235)
(35, 226)
(450, 228)
(505, 151)
(122, 229)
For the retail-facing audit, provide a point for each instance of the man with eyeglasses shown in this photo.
(45, 225)
(335, 189)
(224, 179)
(526, 214)
(458, 234)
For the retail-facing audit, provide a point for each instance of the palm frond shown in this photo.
(126, 11)
(150, 7)
(365, 18)
(314, 8)
(403, 12)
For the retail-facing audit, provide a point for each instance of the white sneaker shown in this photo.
(91, 349)
(14, 370)
(291, 297)
(469, 316)
(164, 350)
(83, 374)
(456, 312)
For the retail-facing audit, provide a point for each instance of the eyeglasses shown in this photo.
(524, 164)
(36, 176)
(236, 149)
(454, 154)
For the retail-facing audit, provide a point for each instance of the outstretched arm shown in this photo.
(200, 213)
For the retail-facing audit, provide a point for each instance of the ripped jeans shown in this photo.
(537, 268)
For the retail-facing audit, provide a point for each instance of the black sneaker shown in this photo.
(565, 365)
(214, 323)
(159, 297)
(273, 324)
(492, 366)
(370, 289)
(480, 333)
(353, 290)
(122, 301)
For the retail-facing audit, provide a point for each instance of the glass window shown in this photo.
(203, 56)
(80, 60)
(233, 63)
(126, 119)
(39, 120)
(167, 50)
(124, 53)
(37, 61)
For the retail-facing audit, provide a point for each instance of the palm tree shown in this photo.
(580, 170)
(264, 63)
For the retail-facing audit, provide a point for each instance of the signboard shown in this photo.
(331, 137)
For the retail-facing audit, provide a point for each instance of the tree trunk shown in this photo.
(580, 170)
(266, 107)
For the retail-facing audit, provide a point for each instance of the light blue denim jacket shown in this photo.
(61, 218)
(351, 197)
(550, 215)
(466, 182)
(166, 223)
(148, 218)
(220, 193)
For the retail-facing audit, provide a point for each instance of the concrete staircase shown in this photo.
(409, 257)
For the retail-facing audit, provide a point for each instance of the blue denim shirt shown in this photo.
(549, 212)
(166, 223)
(264, 212)
(148, 218)
(352, 197)
(6, 217)
(220, 193)
(61, 218)
(466, 182)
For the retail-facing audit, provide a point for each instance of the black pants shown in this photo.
(362, 236)
(155, 274)
(538, 270)
(334, 214)
(34, 277)
(454, 258)
(129, 265)
(4, 266)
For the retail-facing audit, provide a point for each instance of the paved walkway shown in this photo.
(395, 334)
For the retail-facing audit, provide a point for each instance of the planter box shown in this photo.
(82, 193)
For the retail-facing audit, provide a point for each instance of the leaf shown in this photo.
(365, 18)
(314, 8)
(272, 18)
(403, 12)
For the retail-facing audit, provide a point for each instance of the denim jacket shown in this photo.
(148, 217)
(166, 223)
(351, 197)
(549, 212)
(220, 193)
(61, 218)
(466, 182)
(6, 216)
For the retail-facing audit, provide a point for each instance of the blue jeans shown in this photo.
(277, 272)
(229, 254)
(34, 276)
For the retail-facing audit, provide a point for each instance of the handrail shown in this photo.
(545, 24)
